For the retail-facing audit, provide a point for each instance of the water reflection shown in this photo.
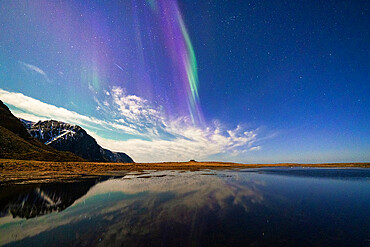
(314, 172)
(205, 208)
(29, 201)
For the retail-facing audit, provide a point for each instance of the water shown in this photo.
(250, 207)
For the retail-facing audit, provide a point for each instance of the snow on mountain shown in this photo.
(69, 137)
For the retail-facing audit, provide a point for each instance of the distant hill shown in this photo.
(16, 143)
(69, 137)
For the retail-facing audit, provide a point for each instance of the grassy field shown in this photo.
(22, 171)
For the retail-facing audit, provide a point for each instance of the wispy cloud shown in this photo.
(256, 148)
(195, 144)
(164, 139)
(137, 113)
(35, 69)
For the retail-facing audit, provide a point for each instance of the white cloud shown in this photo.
(30, 106)
(256, 148)
(35, 69)
(137, 113)
(166, 140)
(195, 144)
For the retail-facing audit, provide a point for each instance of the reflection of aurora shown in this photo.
(252, 207)
(135, 207)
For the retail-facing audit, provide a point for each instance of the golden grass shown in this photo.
(42, 171)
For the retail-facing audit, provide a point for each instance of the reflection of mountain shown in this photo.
(176, 209)
(228, 208)
(29, 201)
(162, 208)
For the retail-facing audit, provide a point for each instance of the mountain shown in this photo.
(16, 142)
(11, 123)
(69, 137)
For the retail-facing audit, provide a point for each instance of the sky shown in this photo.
(241, 81)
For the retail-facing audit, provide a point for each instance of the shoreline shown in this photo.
(28, 171)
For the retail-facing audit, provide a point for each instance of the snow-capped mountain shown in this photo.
(69, 137)
(17, 143)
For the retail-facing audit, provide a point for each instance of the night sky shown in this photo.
(243, 81)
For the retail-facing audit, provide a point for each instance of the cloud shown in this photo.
(39, 110)
(137, 113)
(195, 143)
(33, 109)
(256, 148)
(35, 69)
(156, 138)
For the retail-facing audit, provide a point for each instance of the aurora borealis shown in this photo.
(244, 81)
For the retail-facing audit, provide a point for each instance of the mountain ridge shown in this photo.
(73, 138)
(16, 143)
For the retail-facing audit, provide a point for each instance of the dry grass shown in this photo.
(18, 171)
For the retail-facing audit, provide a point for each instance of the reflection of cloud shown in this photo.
(35, 69)
(165, 139)
(190, 187)
(179, 200)
(132, 207)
